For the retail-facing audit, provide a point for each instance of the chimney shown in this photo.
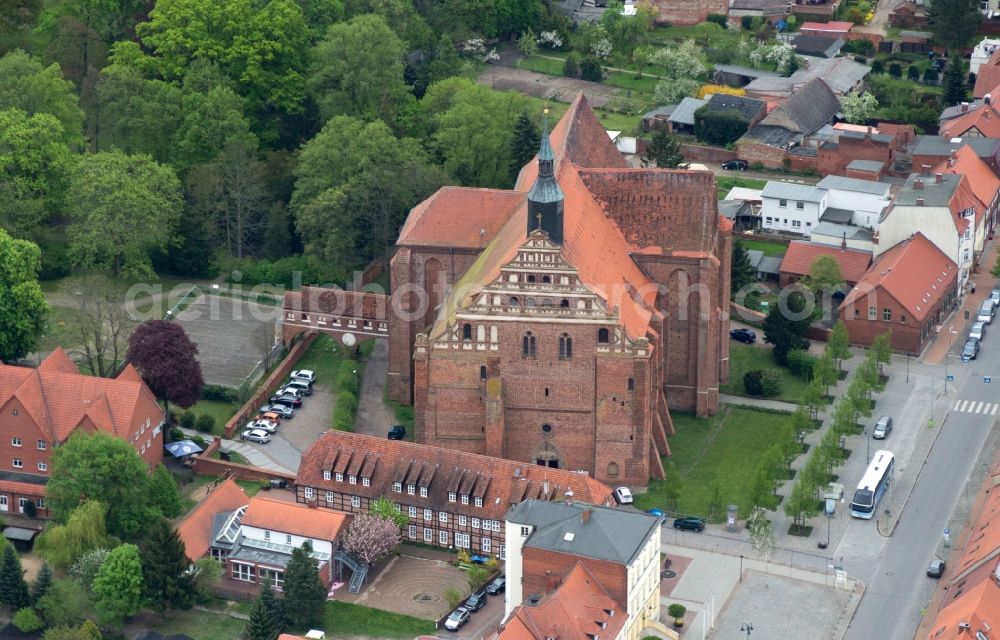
(868, 133)
(965, 107)
(585, 518)
(988, 99)
(938, 178)
(843, 242)
(954, 154)
(918, 184)
(920, 202)
(925, 169)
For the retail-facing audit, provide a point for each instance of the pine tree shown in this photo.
(304, 587)
(167, 583)
(741, 271)
(13, 588)
(954, 82)
(42, 583)
(664, 151)
(953, 22)
(523, 145)
(265, 621)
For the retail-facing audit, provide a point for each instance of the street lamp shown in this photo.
(741, 567)
(746, 626)
(868, 446)
(355, 372)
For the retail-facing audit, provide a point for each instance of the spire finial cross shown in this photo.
(538, 217)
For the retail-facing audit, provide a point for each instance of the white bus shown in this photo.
(872, 486)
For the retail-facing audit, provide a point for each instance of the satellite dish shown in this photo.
(349, 340)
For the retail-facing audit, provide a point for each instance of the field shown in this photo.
(743, 358)
(720, 453)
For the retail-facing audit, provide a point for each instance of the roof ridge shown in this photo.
(46, 411)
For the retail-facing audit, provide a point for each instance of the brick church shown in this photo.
(558, 323)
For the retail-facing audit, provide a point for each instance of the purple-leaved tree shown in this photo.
(371, 537)
(167, 361)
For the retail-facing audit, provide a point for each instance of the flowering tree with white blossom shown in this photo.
(371, 538)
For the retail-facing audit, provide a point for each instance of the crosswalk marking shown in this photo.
(974, 406)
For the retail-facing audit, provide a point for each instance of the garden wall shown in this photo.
(698, 153)
(206, 465)
(270, 385)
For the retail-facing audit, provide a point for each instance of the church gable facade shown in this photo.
(592, 300)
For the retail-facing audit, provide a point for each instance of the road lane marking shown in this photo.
(979, 407)
(960, 405)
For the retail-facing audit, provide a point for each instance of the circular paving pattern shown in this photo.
(666, 574)
(416, 587)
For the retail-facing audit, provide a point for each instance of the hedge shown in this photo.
(219, 393)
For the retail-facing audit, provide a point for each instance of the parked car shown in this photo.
(271, 426)
(936, 568)
(301, 384)
(995, 295)
(623, 495)
(746, 336)
(971, 349)
(882, 428)
(689, 524)
(256, 435)
(977, 331)
(273, 416)
(279, 409)
(304, 374)
(288, 390)
(288, 401)
(986, 311)
(655, 512)
(735, 165)
(397, 433)
(457, 618)
(475, 602)
(497, 586)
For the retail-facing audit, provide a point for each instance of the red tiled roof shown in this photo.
(59, 399)
(915, 273)
(294, 518)
(983, 182)
(195, 530)
(987, 79)
(337, 302)
(501, 483)
(975, 605)
(830, 27)
(964, 199)
(579, 608)
(459, 217)
(985, 119)
(801, 255)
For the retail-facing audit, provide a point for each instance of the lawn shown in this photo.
(59, 333)
(727, 39)
(201, 625)
(769, 248)
(743, 358)
(724, 183)
(373, 623)
(542, 65)
(323, 358)
(722, 450)
(221, 411)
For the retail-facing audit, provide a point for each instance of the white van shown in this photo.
(986, 311)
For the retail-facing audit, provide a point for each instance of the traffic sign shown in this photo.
(949, 378)
(946, 531)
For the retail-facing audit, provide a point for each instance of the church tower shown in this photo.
(545, 200)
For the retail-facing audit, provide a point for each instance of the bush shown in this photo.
(571, 68)
(188, 419)
(289, 271)
(55, 262)
(219, 393)
(912, 73)
(343, 414)
(590, 69)
(770, 383)
(718, 19)
(478, 576)
(27, 620)
(718, 127)
(346, 379)
(861, 59)
(801, 363)
(676, 610)
(176, 434)
(752, 382)
(878, 66)
(206, 423)
(453, 597)
(930, 76)
(864, 47)
(895, 70)
(198, 440)
(747, 23)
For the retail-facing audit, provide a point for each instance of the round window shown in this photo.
(546, 428)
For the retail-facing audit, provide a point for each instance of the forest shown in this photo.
(193, 137)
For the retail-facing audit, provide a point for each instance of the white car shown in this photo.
(289, 390)
(457, 618)
(304, 374)
(264, 425)
(256, 435)
(623, 495)
(977, 330)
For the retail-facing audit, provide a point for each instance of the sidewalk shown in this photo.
(958, 321)
(758, 403)
(253, 455)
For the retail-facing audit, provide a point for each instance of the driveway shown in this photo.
(373, 417)
(542, 85)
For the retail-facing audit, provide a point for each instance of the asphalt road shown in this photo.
(897, 586)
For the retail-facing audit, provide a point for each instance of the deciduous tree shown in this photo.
(26, 85)
(371, 538)
(85, 569)
(785, 325)
(86, 631)
(882, 349)
(167, 360)
(23, 309)
(65, 603)
(122, 207)
(385, 508)
(761, 533)
(118, 585)
(838, 346)
(858, 108)
(304, 588)
(167, 582)
(104, 468)
(101, 325)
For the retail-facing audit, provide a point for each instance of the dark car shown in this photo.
(288, 401)
(280, 409)
(735, 165)
(936, 568)
(689, 524)
(397, 433)
(746, 336)
(497, 586)
(475, 602)
(971, 349)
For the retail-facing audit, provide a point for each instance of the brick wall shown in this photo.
(270, 384)
(833, 159)
(770, 157)
(908, 336)
(699, 153)
(687, 12)
(802, 163)
(543, 571)
(206, 465)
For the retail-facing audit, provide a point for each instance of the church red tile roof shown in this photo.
(595, 179)
(59, 398)
(915, 273)
(459, 217)
(800, 256)
(195, 530)
(987, 79)
(579, 608)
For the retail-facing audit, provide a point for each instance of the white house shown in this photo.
(866, 199)
(987, 46)
(786, 206)
(943, 207)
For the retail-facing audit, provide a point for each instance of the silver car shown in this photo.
(264, 425)
(256, 435)
(978, 330)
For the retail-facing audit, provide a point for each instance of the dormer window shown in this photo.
(410, 489)
(397, 487)
(465, 499)
(423, 492)
(366, 482)
(267, 535)
(451, 496)
(352, 479)
(326, 474)
(479, 501)
(340, 477)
